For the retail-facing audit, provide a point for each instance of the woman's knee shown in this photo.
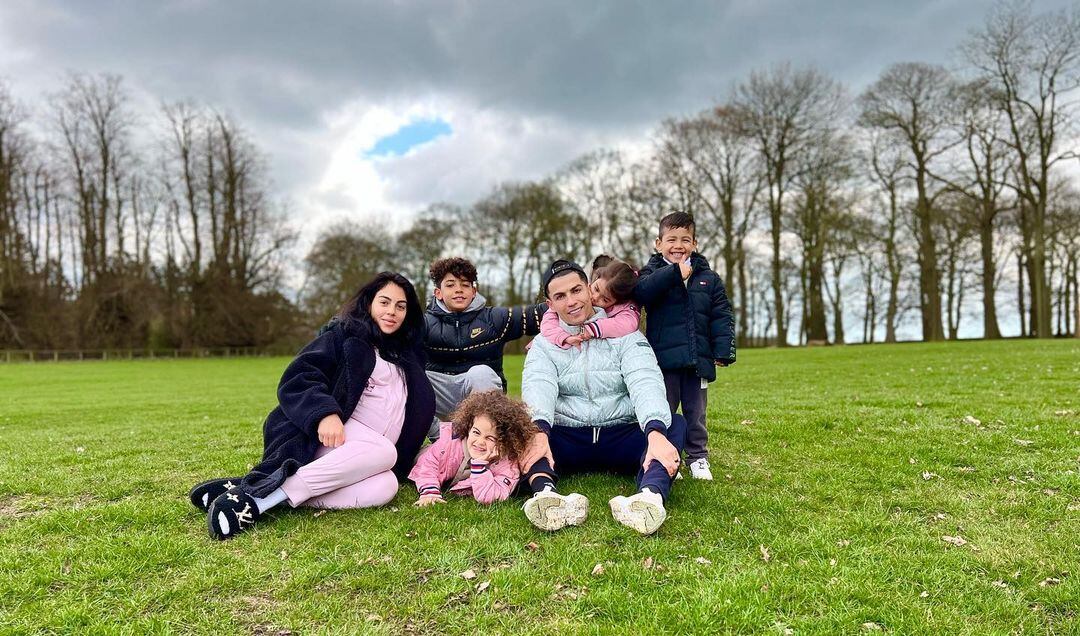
(381, 489)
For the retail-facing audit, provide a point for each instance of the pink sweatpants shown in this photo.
(353, 475)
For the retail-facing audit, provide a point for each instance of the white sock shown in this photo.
(648, 490)
(271, 500)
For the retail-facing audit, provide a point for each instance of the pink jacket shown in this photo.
(440, 461)
(622, 319)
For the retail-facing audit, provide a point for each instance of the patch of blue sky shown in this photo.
(409, 136)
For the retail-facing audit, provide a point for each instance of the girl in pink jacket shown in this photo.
(477, 451)
(612, 288)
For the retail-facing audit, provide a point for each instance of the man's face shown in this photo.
(569, 296)
(456, 293)
(676, 244)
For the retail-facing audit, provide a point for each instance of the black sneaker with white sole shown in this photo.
(231, 513)
(202, 495)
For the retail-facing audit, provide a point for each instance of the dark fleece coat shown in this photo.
(328, 376)
(689, 326)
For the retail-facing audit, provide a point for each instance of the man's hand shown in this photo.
(429, 500)
(662, 451)
(538, 447)
(331, 431)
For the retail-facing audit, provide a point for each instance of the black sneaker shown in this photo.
(231, 513)
(202, 495)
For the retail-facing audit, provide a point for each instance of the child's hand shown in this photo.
(574, 341)
(331, 431)
(684, 269)
(722, 363)
(585, 335)
(429, 500)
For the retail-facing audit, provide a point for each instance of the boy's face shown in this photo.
(676, 244)
(456, 293)
(570, 298)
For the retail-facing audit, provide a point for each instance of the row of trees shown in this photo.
(932, 197)
(116, 234)
(927, 193)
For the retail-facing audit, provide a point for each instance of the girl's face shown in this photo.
(600, 295)
(388, 308)
(483, 440)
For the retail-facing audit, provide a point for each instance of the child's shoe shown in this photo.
(202, 495)
(232, 513)
(700, 469)
(644, 512)
(550, 511)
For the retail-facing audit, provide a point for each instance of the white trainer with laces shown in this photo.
(700, 470)
(550, 511)
(644, 512)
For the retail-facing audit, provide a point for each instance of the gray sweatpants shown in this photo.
(450, 390)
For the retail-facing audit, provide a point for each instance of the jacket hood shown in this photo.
(439, 308)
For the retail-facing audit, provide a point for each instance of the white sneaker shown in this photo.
(700, 470)
(550, 511)
(644, 512)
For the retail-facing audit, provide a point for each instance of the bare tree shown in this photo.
(913, 102)
(1033, 61)
(782, 111)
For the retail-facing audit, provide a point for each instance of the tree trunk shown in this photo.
(1021, 311)
(990, 322)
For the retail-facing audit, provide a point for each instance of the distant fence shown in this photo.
(67, 355)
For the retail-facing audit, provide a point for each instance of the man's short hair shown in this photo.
(559, 268)
(460, 267)
(677, 220)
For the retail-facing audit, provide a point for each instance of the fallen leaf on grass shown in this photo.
(969, 419)
(924, 594)
(1063, 413)
(483, 586)
(940, 516)
(318, 513)
(468, 575)
(284, 555)
(647, 563)
(1002, 584)
(957, 541)
(832, 563)
(927, 475)
(843, 543)
(872, 627)
(912, 460)
(966, 469)
(598, 569)
(747, 422)
(532, 546)
(1023, 442)
(411, 534)
(702, 561)
(1048, 581)
(766, 556)
(373, 618)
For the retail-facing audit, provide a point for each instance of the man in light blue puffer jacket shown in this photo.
(599, 407)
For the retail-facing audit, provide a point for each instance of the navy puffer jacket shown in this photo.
(688, 326)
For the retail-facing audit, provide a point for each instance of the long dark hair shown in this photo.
(355, 316)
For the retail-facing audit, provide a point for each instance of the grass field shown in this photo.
(839, 471)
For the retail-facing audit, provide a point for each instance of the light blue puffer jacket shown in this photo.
(607, 382)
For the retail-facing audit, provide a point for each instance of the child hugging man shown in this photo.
(689, 324)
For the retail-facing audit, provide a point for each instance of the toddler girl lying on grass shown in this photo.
(477, 451)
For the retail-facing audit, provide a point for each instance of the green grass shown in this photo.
(847, 464)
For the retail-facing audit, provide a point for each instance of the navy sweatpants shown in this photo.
(615, 449)
(684, 387)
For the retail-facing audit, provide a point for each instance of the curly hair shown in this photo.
(460, 267)
(513, 425)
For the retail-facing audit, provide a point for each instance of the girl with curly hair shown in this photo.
(477, 451)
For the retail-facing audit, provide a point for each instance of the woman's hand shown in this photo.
(429, 500)
(331, 431)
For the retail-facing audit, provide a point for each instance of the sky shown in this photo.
(375, 109)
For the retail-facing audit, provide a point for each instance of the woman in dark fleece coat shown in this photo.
(353, 408)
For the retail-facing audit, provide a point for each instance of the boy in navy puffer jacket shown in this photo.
(689, 324)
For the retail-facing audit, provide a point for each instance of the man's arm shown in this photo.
(540, 384)
(645, 383)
